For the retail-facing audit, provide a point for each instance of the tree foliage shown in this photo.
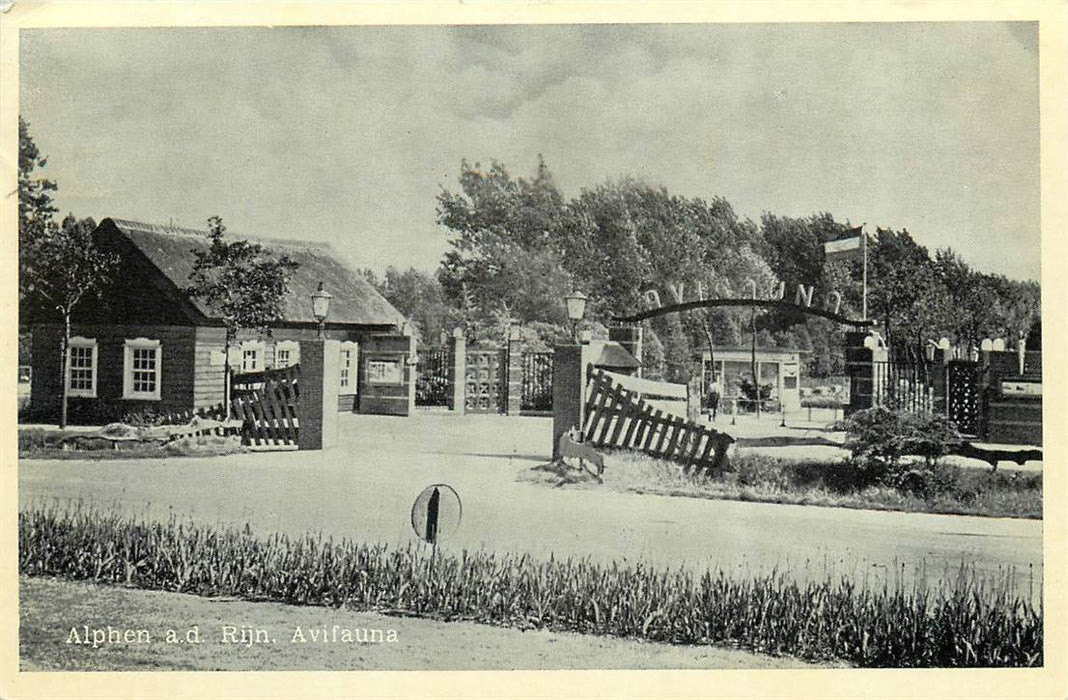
(36, 217)
(36, 208)
(242, 283)
(504, 258)
(518, 246)
(419, 297)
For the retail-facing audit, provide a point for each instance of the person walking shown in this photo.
(712, 400)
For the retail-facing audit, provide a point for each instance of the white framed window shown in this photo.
(252, 352)
(81, 367)
(142, 369)
(347, 368)
(286, 353)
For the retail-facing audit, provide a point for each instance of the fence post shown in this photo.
(569, 389)
(514, 372)
(411, 368)
(630, 337)
(317, 403)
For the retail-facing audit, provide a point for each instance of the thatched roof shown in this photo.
(355, 301)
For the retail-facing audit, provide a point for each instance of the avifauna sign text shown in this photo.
(774, 297)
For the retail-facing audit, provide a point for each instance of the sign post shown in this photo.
(436, 516)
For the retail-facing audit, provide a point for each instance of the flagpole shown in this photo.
(864, 273)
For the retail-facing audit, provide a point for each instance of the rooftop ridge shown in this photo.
(178, 231)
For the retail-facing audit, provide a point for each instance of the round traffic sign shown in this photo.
(436, 513)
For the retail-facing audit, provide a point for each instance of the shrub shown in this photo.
(749, 389)
(37, 438)
(149, 417)
(879, 437)
(824, 401)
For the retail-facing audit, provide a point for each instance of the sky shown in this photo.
(347, 134)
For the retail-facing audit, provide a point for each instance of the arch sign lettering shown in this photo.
(774, 298)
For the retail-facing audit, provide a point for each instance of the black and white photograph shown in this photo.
(533, 345)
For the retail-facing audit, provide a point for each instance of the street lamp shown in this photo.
(576, 308)
(321, 307)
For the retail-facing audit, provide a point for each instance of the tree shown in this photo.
(242, 283)
(61, 267)
(36, 219)
(504, 256)
(417, 295)
(906, 292)
(35, 199)
(624, 237)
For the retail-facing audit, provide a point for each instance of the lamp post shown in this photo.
(321, 307)
(576, 308)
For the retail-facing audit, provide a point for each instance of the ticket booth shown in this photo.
(781, 368)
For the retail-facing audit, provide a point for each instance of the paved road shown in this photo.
(365, 487)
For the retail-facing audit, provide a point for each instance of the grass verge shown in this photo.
(42, 443)
(966, 622)
(754, 477)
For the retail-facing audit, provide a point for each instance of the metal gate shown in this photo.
(486, 381)
(432, 378)
(537, 381)
(963, 397)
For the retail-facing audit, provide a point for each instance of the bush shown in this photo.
(749, 389)
(37, 439)
(878, 438)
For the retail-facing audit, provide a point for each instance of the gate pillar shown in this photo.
(940, 358)
(861, 356)
(317, 401)
(630, 337)
(514, 373)
(570, 363)
(457, 370)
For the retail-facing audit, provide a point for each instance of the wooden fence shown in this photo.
(267, 403)
(619, 417)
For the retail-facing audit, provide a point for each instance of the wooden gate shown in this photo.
(617, 416)
(487, 384)
(964, 397)
(267, 403)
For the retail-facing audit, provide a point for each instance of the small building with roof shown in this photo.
(779, 368)
(146, 344)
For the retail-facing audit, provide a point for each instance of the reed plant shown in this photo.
(966, 620)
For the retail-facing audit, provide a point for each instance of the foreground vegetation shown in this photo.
(967, 621)
(43, 443)
(755, 477)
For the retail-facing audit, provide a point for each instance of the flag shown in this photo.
(846, 246)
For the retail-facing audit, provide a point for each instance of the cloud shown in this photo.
(346, 134)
